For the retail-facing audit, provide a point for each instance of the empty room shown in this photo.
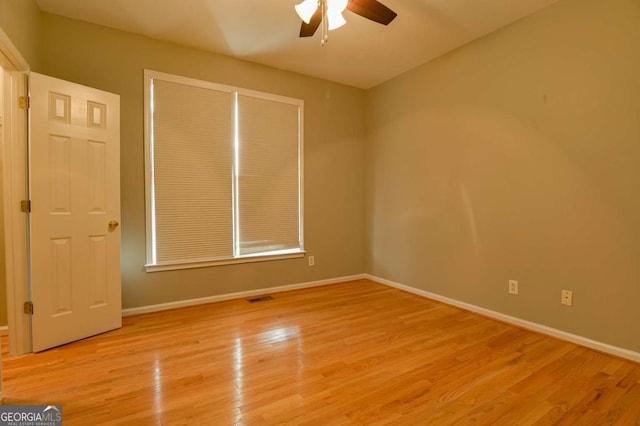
(319, 212)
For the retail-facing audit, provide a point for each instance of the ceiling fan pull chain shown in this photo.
(325, 24)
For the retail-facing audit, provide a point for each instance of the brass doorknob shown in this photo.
(113, 224)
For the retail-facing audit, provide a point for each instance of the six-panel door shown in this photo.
(75, 211)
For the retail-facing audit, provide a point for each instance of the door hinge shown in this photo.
(24, 102)
(25, 206)
(28, 308)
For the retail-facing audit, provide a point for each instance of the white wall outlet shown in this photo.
(312, 260)
(513, 287)
(566, 297)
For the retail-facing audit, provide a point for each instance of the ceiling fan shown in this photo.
(329, 13)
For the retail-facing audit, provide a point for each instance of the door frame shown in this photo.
(15, 187)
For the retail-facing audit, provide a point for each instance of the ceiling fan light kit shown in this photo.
(329, 14)
(306, 9)
(334, 13)
(336, 21)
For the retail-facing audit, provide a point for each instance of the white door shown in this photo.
(75, 211)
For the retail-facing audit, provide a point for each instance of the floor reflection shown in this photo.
(279, 334)
(157, 388)
(238, 380)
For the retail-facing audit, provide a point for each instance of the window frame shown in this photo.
(154, 266)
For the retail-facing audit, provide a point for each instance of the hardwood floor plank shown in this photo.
(350, 353)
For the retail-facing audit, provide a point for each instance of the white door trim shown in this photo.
(14, 181)
(10, 57)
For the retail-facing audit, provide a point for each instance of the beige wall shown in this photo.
(20, 20)
(334, 163)
(516, 157)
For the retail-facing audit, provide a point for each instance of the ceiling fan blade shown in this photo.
(307, 30)
(372, 9)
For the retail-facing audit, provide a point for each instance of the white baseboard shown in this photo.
(553, 332)
(529, 325)
(238, 295)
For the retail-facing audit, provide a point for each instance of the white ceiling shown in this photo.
(361, 53)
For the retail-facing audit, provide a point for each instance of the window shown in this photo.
(223, 174)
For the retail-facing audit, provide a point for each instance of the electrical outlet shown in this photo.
(513, 287)
(566, 297)
(312, 261)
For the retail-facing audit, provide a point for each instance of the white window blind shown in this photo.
(192, 154)
(224, 173)
(268, 187)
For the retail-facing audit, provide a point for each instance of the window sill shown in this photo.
(220, 262)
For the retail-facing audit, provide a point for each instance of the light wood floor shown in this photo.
(352, 353)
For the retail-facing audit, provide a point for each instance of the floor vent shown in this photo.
(260, 299)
